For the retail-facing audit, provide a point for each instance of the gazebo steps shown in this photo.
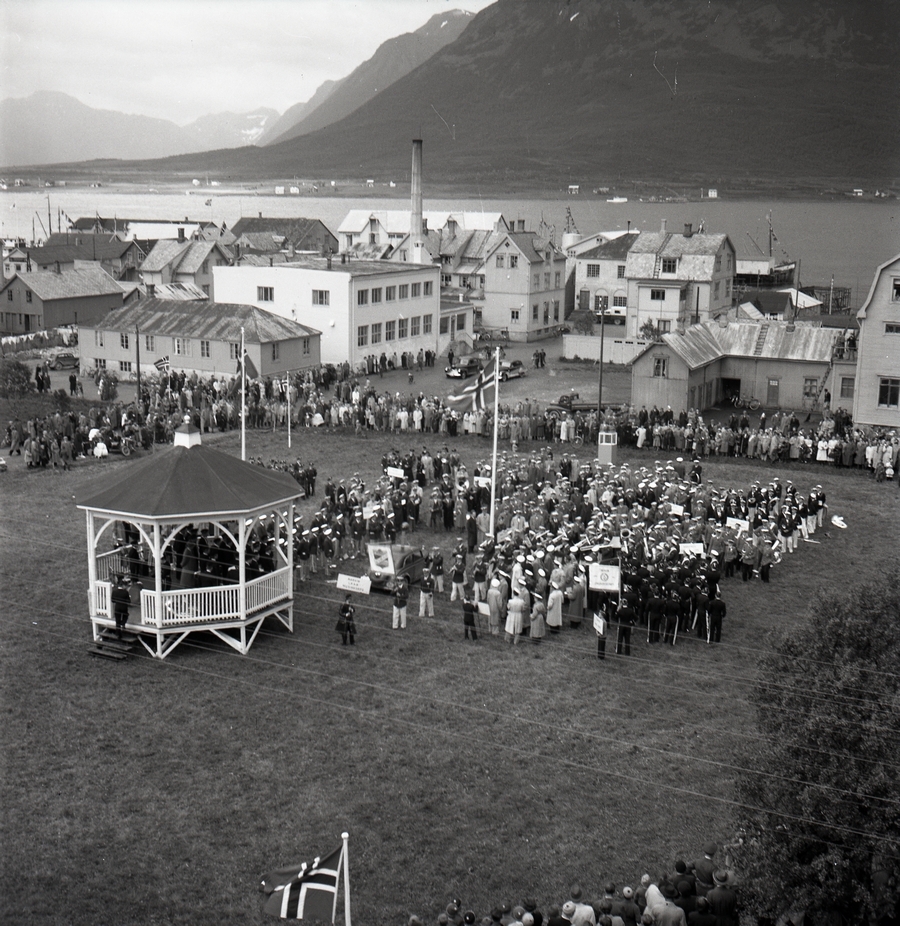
(110, 646)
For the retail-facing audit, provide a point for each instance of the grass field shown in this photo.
(159, 792)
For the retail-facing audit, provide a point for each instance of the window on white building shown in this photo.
(429, 287)
(204, 348)
(265, 293)
(182, 346)
(305, 345)
(513, 315)
(124, 366)
(390, 293)
(124, 340)
(658, 295)
(670, 265)
(389, 331)
(848, 386)
(234, 350)
(620, 272)
(665, 326)
(426, 324)
(276, 352)
(401, 329)
(149, 342)
(556, 310)
(660, 366)
(362, 335)
(362, 297)
(513, 261)
(376, 294)
(620, 302)
(376, 333)
(414, 326)
(321, 297)
(404, 290)
(888, 392)
(501, 260)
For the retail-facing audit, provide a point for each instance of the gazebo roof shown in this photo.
(188, 481)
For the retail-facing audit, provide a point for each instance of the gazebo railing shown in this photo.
(110, 563)
(214, 603)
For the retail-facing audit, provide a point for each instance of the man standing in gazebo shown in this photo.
(120, 601)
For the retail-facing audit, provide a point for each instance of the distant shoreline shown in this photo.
(48, 179)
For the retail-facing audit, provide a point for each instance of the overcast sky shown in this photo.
(180, 59)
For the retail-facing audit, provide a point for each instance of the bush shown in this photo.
(15, 379)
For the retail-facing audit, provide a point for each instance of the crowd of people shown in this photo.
(341, 397)
(695, 893)
(676, 539)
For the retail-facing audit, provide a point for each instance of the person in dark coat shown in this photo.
(346, 626)
(120, 602)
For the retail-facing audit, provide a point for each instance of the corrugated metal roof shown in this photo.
(69, 284)
(199, 251)
(701, 344)
(211, 321)
(100, 249)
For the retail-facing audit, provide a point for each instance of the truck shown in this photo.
(570, 402)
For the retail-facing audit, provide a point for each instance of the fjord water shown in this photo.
(845, 237)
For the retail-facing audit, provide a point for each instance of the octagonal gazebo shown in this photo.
(204, 538)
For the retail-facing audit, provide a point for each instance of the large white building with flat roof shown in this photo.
(361, 307)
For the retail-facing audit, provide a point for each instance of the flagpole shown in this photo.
(346, 838)
(137, 348)
(287, 383)
(243, 404)
(496, 424)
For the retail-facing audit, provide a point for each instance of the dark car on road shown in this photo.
(464, 368)
(64, 360)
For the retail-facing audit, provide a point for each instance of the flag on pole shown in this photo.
(248, 365)
(162, 364)
(474, 392)
(305, 892)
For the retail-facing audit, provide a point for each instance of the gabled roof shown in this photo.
(767, 340)
(164, 252)
(617, 249)
(181, 256)
(102, 249)
(199, 251)
(668, 244)
(68, 284)
(397, 221)
(531, 246)
(879, 270)
(209, 321)
(300, 232)
(179, 292)
(187, 481)
(262, 260)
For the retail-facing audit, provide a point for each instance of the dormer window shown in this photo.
(670, 265)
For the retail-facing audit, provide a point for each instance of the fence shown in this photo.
(615, 349)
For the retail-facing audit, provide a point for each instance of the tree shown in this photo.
(583, 322)
(826, 781)
(649, 332)
(15, 379)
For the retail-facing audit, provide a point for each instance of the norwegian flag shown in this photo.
(474, 392)
(305, 893)
(162, 364)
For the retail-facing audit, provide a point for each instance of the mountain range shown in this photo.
(549, 92)
(51, 127)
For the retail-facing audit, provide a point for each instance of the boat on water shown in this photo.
(617, 199)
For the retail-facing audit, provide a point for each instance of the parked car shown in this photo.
(464, 368)
(511, 369)
(64, 360)
(409, 562)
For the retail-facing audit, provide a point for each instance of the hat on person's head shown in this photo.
(568, 909)
(627, 893)
(469, 917)
(443, 919)
(709, 849)
(575, 891)
(518, 912)
(667, 891)
(720, 876)
(527, 919)
(414, 921)
(645, 880)
(530, 904)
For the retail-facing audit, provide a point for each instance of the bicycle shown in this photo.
(740, 401)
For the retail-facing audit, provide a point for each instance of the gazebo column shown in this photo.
(157, 584)
(92, 573)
